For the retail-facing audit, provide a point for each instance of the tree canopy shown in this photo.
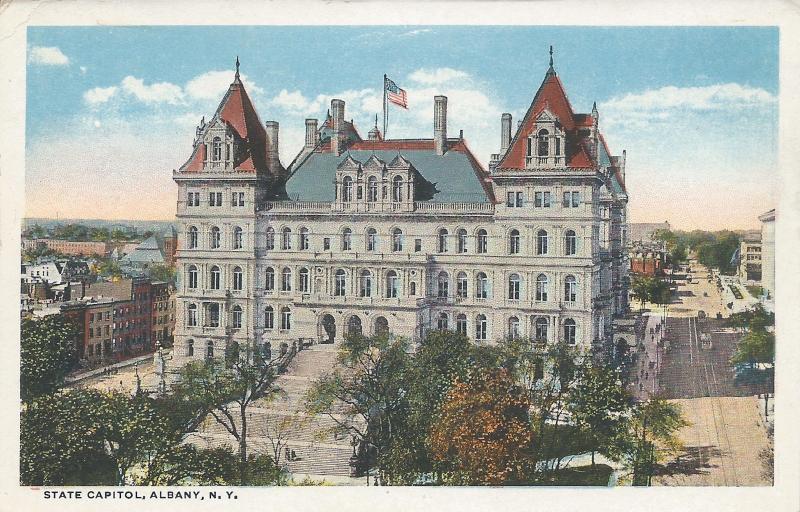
(48, 354)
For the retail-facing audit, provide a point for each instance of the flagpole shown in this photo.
(384, 106)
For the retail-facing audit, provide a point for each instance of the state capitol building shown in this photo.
(372, 235)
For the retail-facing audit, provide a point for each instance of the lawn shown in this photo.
(755, 290)
(581, 476)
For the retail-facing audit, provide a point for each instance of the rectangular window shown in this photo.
(417, 245)
(326, 244)
(576, 199)
(215, 199)
(193, 199)
(237, 199)
(566, 200)
(530, 146)
(510, 199)
(537, 199)
(514, 199)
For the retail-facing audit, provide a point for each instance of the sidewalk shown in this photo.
(644, 379)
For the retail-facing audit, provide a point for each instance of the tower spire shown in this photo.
(551, 71)
(236, 77)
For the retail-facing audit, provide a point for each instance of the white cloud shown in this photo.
(83, 70)
(213, 84)
(48, 56)
(99, 95)
(291, 101)
(161, 92)
(437, 76)
(415, 32)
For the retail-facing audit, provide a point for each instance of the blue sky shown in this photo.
(117, 106)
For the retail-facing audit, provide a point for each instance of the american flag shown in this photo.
(395, 94)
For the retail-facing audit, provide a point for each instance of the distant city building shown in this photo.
(642, 232)
(54, 271)
(68, 247)
(750, 266)
(768, 252)
(646, 260)
(156, 250)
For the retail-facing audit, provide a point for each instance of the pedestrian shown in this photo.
(288, 453)
(641, 386)
(646, 375)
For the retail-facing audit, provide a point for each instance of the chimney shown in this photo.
(440, 123)
(273, 158)
(622, 166)
(312, 136)
(505, 131)
(337, 117)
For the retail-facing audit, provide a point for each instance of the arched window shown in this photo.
(238, 280)
(483, 241)
(443, 285)
(540, 329)
(481, 286)
(286, 239)
(570, 331)
(215, 277)
(514, 286)
(397, 240)
(372, 240)
(544, 143)
(191, 317)
(570, 243)
(236, 317)
(372, 189)
(238, 238)
(190, 348)
(210, 350)
(340, 283)
(305, 281)
(461, 285)
(397, 189)
(347, 239)
(392, 284)
(269, 283)
(192, 277)
(541, 242)
(481, 327)
(381, 325)
(303, 239)
(270, 239)
(354, 327)
(347, 189)
(442, 240)
(461, 324)
(286, 280)
(269, 318)
(541, 288)
(513, 328)
(461, 241)
(216, 149)
(441, 323)
(513, 242)
(286, 318)
(213, 315)
(365, 287)
(570, 289)
(192, 237)
(215, 237)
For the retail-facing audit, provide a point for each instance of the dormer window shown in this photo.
(397, 189)
(347, 189)
(544, 143)
(216, 149)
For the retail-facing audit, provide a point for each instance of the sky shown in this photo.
(111, 111)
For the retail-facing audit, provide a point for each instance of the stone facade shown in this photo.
(768, 252)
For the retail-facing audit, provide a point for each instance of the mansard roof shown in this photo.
(457, 175)
(605, 159)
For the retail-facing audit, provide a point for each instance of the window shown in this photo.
(238, 238)
(347, 239)
(461, 285)
(237, 278)
(514, 199)
(213, 315)
(541, 288)
(190, 348)
(340, 283)
(269, 318)
(558, 145)
(461, 324)
(215, 199)
(269, 283)
(571, 199)
(441, 323)
(570, 331)
(541, 200)
(372, 240)
(480, 327)
(236, 317)
(215, 275)
(192, 237)
(237, 198)
(392, 284)
(365, 287)
(461, 241)
(570, 243)
(303, 239)
(270, 239)
(513, 328)
(210, 350)
(215, 237)
(216, 149)
(513, 242)
(570, 289)
(286, 280)
(443, 285)
(397, 189)
(286, 319)
(543, 147)
(514, 285)
(397, 240)
(483, 241)
(305, 281)
(286, 239)
(540, 330)
(481, 286)
(192, 277)
(442, 240)
(326, 244)
(372, 189)
(576, 199)
(193, 199)
(541, 242)
(413, 290)
(417, 244)
(347, 189)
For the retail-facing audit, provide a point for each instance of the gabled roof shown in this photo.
(604, 158)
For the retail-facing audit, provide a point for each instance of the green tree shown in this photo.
(652, 436)
(162, 273)
(48, 353)
(641, 286)
(756, 346)
(678, 254)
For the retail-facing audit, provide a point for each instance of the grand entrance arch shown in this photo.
(354, 327)
(327, 329)
(381, 325)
